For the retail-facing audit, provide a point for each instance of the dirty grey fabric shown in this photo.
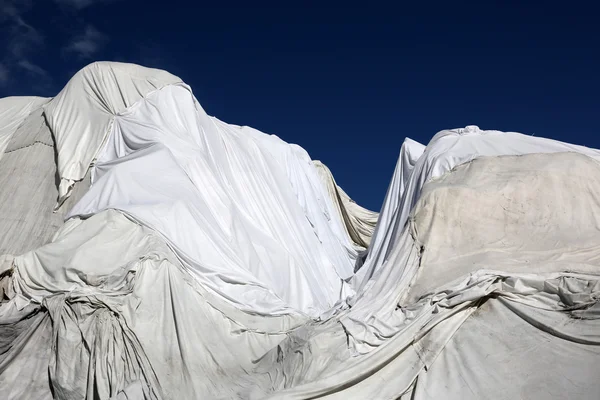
(510, 357)
(112, 295)
(13, 112)
(30, 188)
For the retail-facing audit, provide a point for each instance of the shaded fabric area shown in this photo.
(358, 221)
(28, 179)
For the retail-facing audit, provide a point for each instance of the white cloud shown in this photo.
(88, 43)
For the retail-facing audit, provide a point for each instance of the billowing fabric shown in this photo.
(81, 115)
(358, 221)
(209, 260)
(410, 153)
(252, 234)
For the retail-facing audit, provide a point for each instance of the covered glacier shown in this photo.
(151, 251)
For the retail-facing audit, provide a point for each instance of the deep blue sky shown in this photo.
(348, 83)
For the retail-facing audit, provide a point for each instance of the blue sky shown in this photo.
(348, 83)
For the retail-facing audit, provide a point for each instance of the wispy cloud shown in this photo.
(22, 41)
(32, 68)
(4, 75)
(88, 43)
(79, 4)
(23, 38)
(20, 36)
(10, 9)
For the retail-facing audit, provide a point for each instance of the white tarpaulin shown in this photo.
(209, 260)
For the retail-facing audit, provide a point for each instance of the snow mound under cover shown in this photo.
(151, 251)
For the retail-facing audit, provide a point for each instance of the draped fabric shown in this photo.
(151, 251)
